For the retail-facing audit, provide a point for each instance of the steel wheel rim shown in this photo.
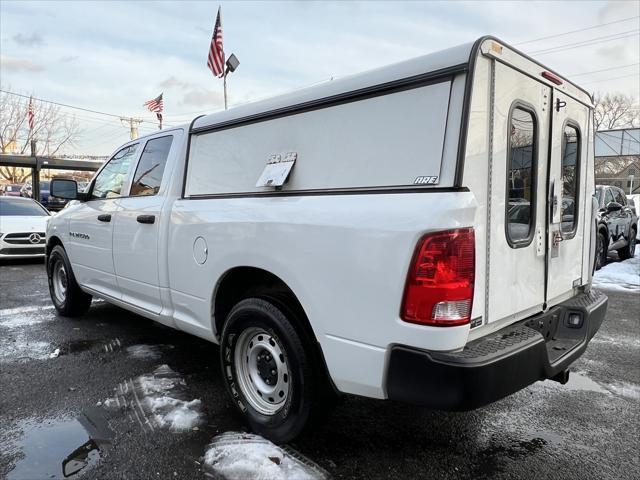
(60, 281)
(262, 370)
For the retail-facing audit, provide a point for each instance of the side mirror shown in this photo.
(613, 207)
(64, 188)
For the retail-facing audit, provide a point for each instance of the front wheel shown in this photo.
(266, 369)
(67, 297)
(630, 250)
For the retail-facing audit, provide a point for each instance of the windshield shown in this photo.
(44, 185)
(599, 195)
(10, 207)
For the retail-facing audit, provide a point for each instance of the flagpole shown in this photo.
(224, 83)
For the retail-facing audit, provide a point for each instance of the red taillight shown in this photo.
(439, 288)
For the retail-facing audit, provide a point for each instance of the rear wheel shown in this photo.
(267, 370)
(601, 251)
(630, 250)
(67, 297)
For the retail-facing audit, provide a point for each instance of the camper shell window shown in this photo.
(570, 178)
(521, 175)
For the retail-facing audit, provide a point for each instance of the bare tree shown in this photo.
(52, 130)
(615, 110)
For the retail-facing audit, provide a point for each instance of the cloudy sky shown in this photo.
(112, 56)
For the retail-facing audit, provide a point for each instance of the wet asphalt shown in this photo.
(587, 429)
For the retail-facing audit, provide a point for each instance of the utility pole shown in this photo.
(133, 125)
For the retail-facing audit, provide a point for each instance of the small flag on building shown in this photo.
(30, 114)
(215, 61)
(156, 105)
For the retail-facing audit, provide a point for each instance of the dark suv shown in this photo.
(617, 224)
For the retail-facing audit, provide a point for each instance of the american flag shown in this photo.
(30, 114)
(215, 62)
(155, 105)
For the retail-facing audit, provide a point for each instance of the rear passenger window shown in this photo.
(148, 176)
(619, 197)
(521, 177)
(570, 177)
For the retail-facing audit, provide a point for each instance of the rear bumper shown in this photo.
(499, 364)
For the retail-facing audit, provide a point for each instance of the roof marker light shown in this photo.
(552, 78)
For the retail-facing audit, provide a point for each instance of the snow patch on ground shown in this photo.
(235, 455)
(158, 400)
(616, 340)
(621, 276)
(625, 389)
(20, 348)
(18, 310)
(25, 316)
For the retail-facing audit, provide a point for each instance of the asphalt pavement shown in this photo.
(60, 379)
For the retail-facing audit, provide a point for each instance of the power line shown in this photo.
(584, 43)
(70, 106)
(604, 70)
(578, 30)
(611, 79)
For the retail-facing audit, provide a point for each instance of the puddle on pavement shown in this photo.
(77, 346)
(61, 448)
(581, 382)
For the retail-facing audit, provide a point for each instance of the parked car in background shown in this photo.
(617, 224)
(11, 190)
(23, 223)
(46, 199)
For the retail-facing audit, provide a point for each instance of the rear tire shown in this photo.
(601, 251)
(66, 295)
(630, 250)
(267, 371)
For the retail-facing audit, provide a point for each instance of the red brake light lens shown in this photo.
(551, 77)
(439, 289)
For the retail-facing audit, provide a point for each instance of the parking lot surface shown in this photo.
(113, 395)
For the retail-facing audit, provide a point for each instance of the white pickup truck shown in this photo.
(422, 232)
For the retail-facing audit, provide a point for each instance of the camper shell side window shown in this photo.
(522, 164)
(571, 140)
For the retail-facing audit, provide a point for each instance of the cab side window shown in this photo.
(108, 183)
(148, 176)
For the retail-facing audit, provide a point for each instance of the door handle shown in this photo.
(146, 219)
(106, 217)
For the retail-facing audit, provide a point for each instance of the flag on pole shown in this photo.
(155, 105)
(30, 114)
(215, 61)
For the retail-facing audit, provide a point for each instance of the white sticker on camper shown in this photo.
(277, 170)
(429, 180)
